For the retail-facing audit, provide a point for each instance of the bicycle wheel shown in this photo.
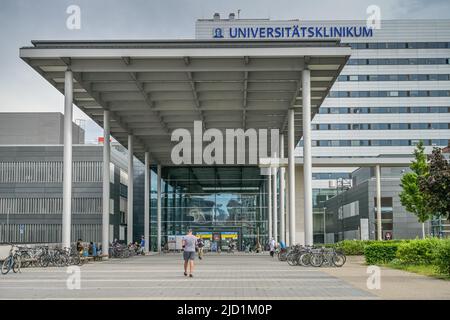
(16, 264)
(44, 261)
(6, 265)
(292, 259)
(25, 260)
(305, 259)
(339, 259)
(316, 260)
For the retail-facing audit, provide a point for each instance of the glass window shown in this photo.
(379, 126)
(392, 45)
(391, 77)
(111, 206)
(364, 143)
(419, 109)
(111, 172)
(363, 78)
(363, 94)
(334, 110)
(419, 126)
(443, 77)
(393, 94)
(335, 143)
(123, 177)
(353, 78)
(399, 126)
(422, 77)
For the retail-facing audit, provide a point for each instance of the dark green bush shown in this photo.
(442, 257)
(380, 252)
(418, 251)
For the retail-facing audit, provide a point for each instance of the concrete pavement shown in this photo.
(224, 276)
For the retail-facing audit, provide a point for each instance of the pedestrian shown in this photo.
(189, 242)
(80, 246)
(200, 246)
(142, 244)
(272, 246)
(91, 248)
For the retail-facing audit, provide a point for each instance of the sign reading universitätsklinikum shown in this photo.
(292, 32)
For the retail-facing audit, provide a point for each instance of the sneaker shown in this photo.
(191, 275)
(185, 274)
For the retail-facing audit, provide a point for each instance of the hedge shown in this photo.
(381, 252)
(418, 251)
(442, 257)
(353, 247)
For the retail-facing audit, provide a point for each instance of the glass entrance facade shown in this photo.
(220, 204)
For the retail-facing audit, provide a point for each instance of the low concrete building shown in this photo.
(351, 214)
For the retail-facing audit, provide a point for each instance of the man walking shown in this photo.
(272, 245)
(189, 242)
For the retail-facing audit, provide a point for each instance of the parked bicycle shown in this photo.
(316, 257)
(328, 257)
(12, 262)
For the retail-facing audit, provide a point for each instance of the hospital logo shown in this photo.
(218, 33)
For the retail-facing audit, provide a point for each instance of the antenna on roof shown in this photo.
(239, 12)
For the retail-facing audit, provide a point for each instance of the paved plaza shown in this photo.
(224, 276)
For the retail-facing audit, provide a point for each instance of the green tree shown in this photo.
(436, 185)
(411, 197)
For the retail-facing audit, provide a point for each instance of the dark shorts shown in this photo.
(188, 255)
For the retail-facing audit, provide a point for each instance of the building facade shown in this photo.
(393, 92)
(31, 178)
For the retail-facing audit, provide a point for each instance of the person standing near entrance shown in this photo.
(272, 246)
(189, 242)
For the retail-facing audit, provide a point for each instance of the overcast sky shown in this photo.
(22, 89)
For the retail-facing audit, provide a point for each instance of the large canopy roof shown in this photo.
(154, 87)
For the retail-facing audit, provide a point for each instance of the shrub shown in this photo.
(380, 252)
(418, 251)
(442, 257)
(353, 247)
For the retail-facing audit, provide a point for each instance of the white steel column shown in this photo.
(106, 183)
(269, 202)
(158, 205)
(130, 190)
(378, 182)
(67, 165)
(282, 186)
(147, 202)
(291, 175)
(307, 161)
(274, 205)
